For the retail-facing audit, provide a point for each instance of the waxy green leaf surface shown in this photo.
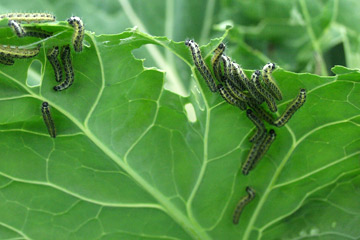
(129, 164)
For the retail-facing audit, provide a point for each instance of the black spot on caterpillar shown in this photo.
(270, 138)
(29, 17)
(261, 112)
(17, 28)
(200, 64)
(242, 203)
(6, 60)
(291, 109)
(269, 81)
(79, 32)
(16, 52)
(239, 73)
(252, 155)
(215, 61)
(270, 101)
(225, 94)
(52, 56)
(69, 71)
(260, 127)
(45, 109)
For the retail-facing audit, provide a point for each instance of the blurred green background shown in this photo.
(298, 35)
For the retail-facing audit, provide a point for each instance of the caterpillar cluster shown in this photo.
(8, 54)
(247, 94)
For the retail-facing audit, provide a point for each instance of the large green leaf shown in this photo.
(130, 163)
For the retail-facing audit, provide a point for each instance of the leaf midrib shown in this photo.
(192, 228)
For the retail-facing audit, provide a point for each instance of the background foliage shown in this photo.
(128, 163)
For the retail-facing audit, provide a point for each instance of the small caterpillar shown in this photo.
(242, 203)
(235, 92)
(236, 79)
(200, 64)
(79, 32)
(260, 127)
(229, 74)
(215, 61)
(229, 98)
(45, 109)
(269, 82)
(29, 17)
(270, 138)
(36, 32)
(261, 112)
(239, 73)
(28, 31)
(69, 71)
(16, 52)
(270, 101)
(291, 109)
(52, 56)
(252, 155)
(6, 60)
(17, 28)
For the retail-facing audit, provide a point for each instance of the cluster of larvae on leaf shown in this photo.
(248, 95)
(9, 53)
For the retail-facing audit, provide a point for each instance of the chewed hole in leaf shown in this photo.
(34, 74)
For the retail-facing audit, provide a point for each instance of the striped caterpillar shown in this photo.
(69, 71)
(200, 64)
(16, 52)
(45, 110)
(28, 31)
(29, 17)
(79, 31)
(242, 203)
(260, 127)
(224, 92)
(52, 56)
(269, 82)
(215, 61)
(270, 138)
(291, 109)
(270, 101)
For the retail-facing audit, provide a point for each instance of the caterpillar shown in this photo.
(236, 79)
(260, 127)
(261, 112)
(270, 101)
(270, 138)
(229, 98)
(16, 52)
(200, 64)
(52, 56)
(291, 109)
(36, 32)
(29, 17)
(6, 60)
(69, 71)
(239, 73)
(28, 31)
(17, 28)
(229, 74)
(79, 32)
(242, 203)
(254, 150)
(215, 61)
(269, 82)
(235, 92)
(45, 109)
